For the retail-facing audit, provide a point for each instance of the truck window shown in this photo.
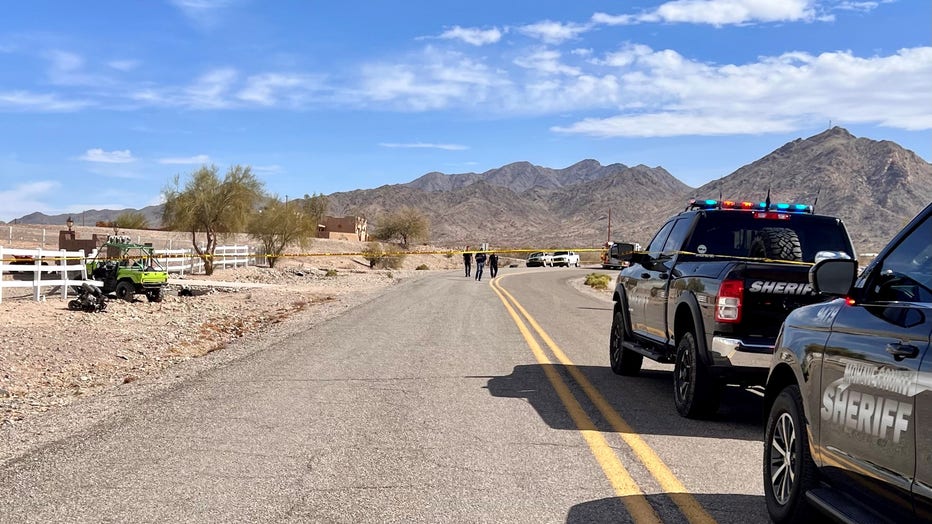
(738, 234)
(677, 236)
(656, 245)
(905, 275)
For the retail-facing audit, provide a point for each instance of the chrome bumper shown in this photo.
(732, 352)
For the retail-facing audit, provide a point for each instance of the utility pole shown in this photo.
(609, 239)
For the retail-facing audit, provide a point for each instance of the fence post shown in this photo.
(63, 273)
(37, 272)
(2, 261)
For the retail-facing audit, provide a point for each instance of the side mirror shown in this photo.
(833, 276)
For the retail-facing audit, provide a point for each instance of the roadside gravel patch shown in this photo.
(63, 370)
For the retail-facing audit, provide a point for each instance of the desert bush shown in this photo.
(380, 257)
(331, 272)
(598, 280)
(421, 267)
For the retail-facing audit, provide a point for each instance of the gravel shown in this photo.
(62, 370)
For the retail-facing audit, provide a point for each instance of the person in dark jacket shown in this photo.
(467, 260)
(480, 263)
(493, 264)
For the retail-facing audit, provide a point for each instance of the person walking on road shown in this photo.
(493, 264)
(480, 263)
(467, 260)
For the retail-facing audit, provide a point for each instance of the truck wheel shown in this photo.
(154, 295)
(623, 361)
(695, 393)
(789, 470)
(778, 243)
(125, 291)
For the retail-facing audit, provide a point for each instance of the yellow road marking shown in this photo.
(689, 506)
(621, 481)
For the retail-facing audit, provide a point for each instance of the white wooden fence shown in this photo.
(186, 260)
(71, 268)
(43, 263)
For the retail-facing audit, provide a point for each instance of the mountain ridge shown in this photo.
(874, 186)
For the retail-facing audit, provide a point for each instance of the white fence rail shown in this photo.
(186, 260)
(42, 263)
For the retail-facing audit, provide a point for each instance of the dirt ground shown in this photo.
(51, 356)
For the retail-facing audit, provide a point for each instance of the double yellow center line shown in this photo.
(619, 477)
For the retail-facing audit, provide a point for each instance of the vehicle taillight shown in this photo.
(728, 301)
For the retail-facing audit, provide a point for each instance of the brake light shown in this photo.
(728, 301)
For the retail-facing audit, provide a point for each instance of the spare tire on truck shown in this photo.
(777, 243)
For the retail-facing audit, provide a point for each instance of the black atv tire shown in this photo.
(696, 393)
(777, 243)
(789, 470)
(154, 295)
(74, 305)
(125, 290)
(623, 361)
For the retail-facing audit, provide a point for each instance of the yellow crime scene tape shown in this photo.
(25, 260)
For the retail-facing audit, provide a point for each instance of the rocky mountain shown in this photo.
(874, 186)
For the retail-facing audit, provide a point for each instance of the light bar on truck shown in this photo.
(780, 207)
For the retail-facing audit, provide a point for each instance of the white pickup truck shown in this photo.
(565, 258)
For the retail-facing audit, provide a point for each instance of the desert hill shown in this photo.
(874, 186)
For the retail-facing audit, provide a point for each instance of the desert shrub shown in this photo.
(380, 257)
(421, 267)
(598, 280)
(331, 272)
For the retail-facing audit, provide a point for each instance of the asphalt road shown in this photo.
(436, 402)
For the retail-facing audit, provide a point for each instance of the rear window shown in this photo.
(742, 234)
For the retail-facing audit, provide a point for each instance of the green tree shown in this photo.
(407, 224)
(131, 220)
(278, 224)
(211, 206)
(315, 206)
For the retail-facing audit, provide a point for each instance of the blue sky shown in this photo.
(102, 103)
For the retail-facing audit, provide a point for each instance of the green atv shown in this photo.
(126, 268)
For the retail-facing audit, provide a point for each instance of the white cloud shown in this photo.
(190, 160)
(26, 198)
(423, 145)
(108, 157)
(211, 90)
(860, 6)
(123, 65)
(472, 35)
(554, 32)
(270, 88)
(718, 12)
(673, 124)
(433, 80)
(665, 94)
(546, 61)
(204, 13)
(40, 103)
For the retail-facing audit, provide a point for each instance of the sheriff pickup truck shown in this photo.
(711, 290)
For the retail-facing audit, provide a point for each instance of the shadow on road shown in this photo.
(645, 402)
(723, 507)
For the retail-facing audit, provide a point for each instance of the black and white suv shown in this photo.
(849, 392)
